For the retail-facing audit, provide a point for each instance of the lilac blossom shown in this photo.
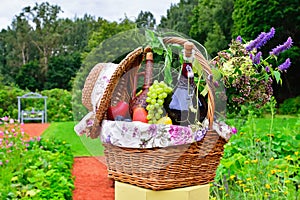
(255, 59)
(267, 69)
(239, 39)
(280, 48)
(267, 37)
(255, 42)
(284, 66)
(261, 40)
(1, 163)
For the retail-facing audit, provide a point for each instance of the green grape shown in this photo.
(153, 101)
(159, 90)
(149, 117)
(153, 95)
(160, 111)
(148, 99)
(156, 105)
(148, 107)
(150, 122)
(160, 102)
(157, 116)
(164, 95)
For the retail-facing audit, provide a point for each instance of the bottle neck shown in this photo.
(148, 74)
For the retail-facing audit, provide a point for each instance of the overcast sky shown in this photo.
(112, 10)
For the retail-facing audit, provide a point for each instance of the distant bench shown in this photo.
(32, 114)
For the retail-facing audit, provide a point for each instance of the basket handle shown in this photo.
(206, 69)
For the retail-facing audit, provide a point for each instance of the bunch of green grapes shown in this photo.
(158, 91)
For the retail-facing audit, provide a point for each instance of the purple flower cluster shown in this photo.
(284, 66)
(280, 48)
(261, 40)
(239, 39)
(256, 58)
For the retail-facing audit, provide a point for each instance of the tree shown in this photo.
(179, 16)
(211, 17)
(145, 20)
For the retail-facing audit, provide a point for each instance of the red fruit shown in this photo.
(140, 114)
(121, 109)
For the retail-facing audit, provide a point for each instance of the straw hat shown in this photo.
(98, 91)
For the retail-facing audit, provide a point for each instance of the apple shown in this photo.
(140, 114)
(121, 109)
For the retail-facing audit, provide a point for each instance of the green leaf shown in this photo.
(15, 178)
(277, 76)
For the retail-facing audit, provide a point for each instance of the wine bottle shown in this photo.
(186, 105)
(139, 100)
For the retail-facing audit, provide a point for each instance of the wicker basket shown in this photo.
(170, 167)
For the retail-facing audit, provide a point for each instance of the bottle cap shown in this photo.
(149, 56)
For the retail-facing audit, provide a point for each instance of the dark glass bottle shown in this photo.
(186, 105)
(139, 100)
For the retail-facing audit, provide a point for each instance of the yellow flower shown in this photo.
(273, 171)
(268, 186)
(288, 157)
(274, 191)
(254, 161)
(285, 192)
(226, 195)
(246, 162)
(232, 177)
(271, 159)
(239, 182)
(246, 190)
(210, 184)
(254, 177)
(249, 179)
(266, 194)
(279, 170)
(296, 153)
(221, 188)
(257, 140)
(287, 181)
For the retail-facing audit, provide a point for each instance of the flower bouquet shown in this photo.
(246, 75)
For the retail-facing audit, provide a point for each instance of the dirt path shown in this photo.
(34, 129)
(91, 182)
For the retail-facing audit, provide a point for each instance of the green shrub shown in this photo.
(290, 106)
(33, 169)
(59, 103)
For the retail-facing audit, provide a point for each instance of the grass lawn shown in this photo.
(81, 146)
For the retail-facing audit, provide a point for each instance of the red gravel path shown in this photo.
(91, 182)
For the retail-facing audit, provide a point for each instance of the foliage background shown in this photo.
(41, 51)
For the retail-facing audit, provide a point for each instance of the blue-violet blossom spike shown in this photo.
(284, 66)
(266, 38)
(267, 69)
(256, 58)
(255, 42)
(280, 48)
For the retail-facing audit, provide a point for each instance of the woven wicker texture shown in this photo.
(163, 168)
(89, 85)
(166, 168)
